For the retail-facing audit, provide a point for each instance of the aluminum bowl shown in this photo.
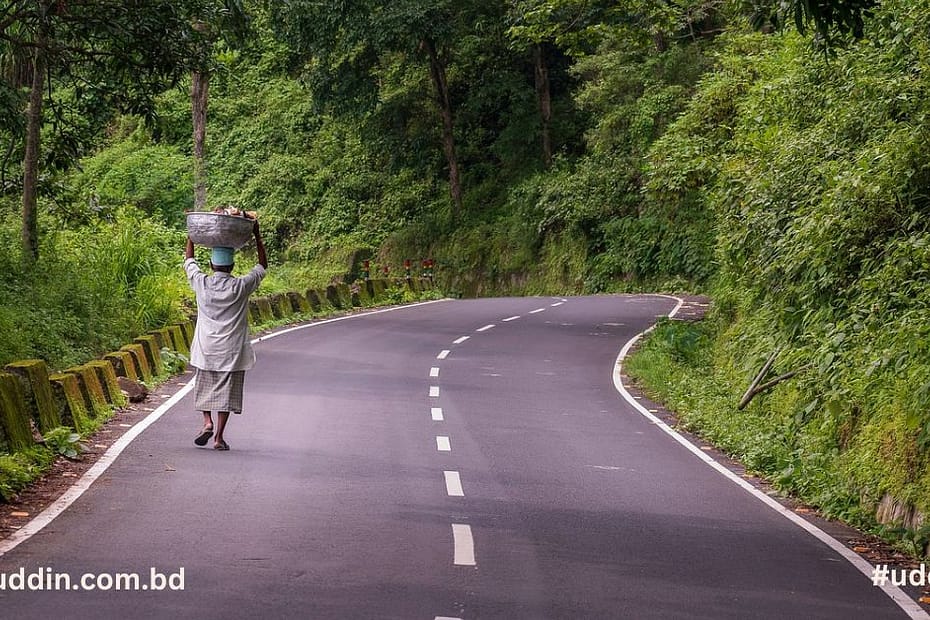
(218, 229)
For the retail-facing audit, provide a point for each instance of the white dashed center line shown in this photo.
(485, 328)
(464, 545)
(510, 318)
(443, 354)
(453, 484)
(443, 444)
(434, 371)
(558, 303)
(436, 413)
(434, 391)
(537, 310)
(461, 340)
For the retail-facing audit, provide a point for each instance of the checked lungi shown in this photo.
(218, 390)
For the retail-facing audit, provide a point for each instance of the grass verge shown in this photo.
(679, 364)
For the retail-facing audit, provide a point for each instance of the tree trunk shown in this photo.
(660, 42)
(30, 236)
(438, 73)
(200, 87)
(544, 97)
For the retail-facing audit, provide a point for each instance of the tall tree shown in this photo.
(543, 28)
(111, 54)
(226, 20)
(338, 44)
(539, 27)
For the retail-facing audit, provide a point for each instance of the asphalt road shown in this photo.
(386, 468)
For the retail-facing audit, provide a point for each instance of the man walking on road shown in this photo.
(221, 351)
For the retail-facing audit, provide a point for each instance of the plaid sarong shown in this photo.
(218, 390)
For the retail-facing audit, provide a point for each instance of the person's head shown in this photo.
(221, 259)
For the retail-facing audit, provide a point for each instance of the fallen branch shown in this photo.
(758, 389)
(759, 377)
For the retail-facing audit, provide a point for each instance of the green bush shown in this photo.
(64, 441)
(155, 178)
(95, 288)
(19, 469)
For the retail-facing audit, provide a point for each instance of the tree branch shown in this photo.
(758, 389)
(759, 377)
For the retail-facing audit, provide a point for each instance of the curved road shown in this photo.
(460, 459)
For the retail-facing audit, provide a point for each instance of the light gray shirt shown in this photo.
(221, 336)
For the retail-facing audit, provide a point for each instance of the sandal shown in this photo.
(204, 436)
(221, 445)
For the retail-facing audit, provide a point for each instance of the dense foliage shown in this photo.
(815, 172)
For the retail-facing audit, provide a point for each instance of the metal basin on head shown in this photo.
(218, 229)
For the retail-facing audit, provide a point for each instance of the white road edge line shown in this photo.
(461, 340)
(443, 444)
(905, 602)
(434, 391)
(485, 328)
(510, 318)
(443, 354)
(436, 413)
(434, 371)
(453, 484)
(464, 545)
(37, 523)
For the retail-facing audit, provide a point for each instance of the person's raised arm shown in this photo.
(189, 251)
(260, 246)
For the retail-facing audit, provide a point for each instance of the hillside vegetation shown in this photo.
(546, 147)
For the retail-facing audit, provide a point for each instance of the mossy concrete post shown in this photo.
(189, 327)
(378, 288)
(299, 302)
(275, 310)
(355, 295)
(363, 294)
(187, 336)
(345, 294)
(94, 397)
(265, 312)
(37, 390)
(332, 296)
(163, 336)
(123, 364)
(142, 362)
(281, 305)
(313, 298)
(13, 415)
(107, 377)
(177, 341)
(69, 401)
(152, 352)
